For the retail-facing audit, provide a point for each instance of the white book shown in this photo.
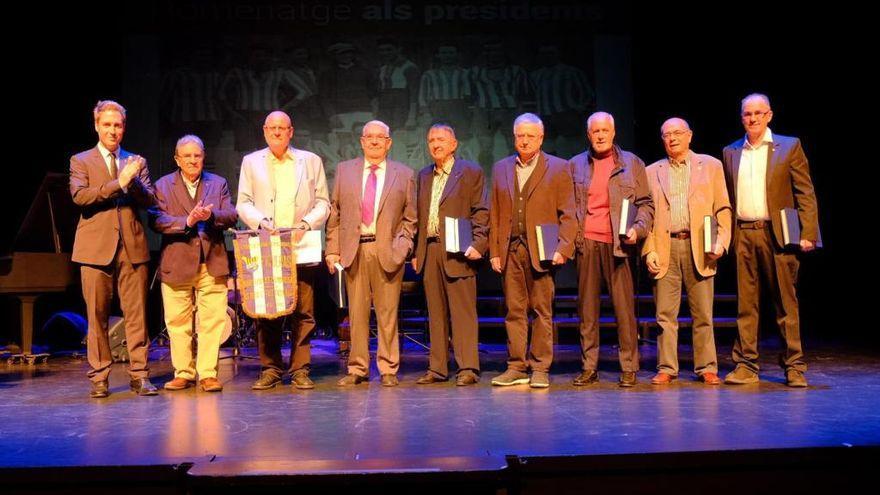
(308, 249)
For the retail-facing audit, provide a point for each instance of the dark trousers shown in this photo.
(269, 331)
(761, 265)
(528, 291)
(450, 300)
(596, 263)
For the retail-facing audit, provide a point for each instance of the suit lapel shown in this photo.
(537, 174)
(663, 178)
(772, 162)
(96, 161)
(298, 170)
(510, 173)
(390, 177)
(734, 162)
(426, 183)
(454, 176)
(696, 174)
(181, 193)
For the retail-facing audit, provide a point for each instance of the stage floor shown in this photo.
(47, 419)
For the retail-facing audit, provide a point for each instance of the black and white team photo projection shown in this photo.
(409, 65)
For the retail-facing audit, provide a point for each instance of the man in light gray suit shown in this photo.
(284, 187)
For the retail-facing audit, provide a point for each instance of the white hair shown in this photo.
(755, 96)
(189, 138)
(528, 118)
(599, 116)
(378, 123)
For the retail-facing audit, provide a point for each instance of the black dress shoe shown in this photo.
(100, 390)
(628, 379)
(142, 386)
(585, 378)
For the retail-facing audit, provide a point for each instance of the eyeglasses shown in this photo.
(748, 115)
(674, 134)
(191, 156)
(277, 128)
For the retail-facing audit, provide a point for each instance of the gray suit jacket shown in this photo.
(395, 220)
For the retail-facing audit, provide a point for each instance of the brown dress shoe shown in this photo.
(351, 379)
(302, 381)
(466, 378)
(663, 379)
(389, 380)
(210, 385)
(429, 378)
(178, 383)
(710, 378)
(100, 390)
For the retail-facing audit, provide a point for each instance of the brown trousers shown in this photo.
(759, 265)
(98, 283)
(367, 282)
(525, 291)
(269, 331)
(596, 263)
(448, 299)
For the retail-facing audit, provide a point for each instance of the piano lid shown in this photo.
(50, 223)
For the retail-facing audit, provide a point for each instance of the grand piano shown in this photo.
(40, 259)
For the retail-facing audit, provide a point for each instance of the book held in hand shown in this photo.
(547, 235)
(710, 233)
(459, 234)
(628, 212)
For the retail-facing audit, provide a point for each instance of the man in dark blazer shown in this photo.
(370, 234)
(765, 173)
(450, 188)
(193, 208)
(604, 176)
(529, 188)
(110, 185)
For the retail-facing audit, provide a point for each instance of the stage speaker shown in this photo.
(63, 331)
(118, 345)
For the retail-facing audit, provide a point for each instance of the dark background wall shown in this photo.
(693, 60)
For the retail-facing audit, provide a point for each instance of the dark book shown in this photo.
(791, 228)
(548, 240)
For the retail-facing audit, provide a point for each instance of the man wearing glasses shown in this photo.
(284, 187)
(686, 187)
(766, 173)
(370, 234)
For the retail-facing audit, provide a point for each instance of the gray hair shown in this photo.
(378, 123)
(755, 96)
(189, 138)
(442, 125)
(108, 105)
(599, 116)
(528, 118)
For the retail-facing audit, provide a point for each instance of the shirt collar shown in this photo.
(379, 166)
(104, 151)
(447, 166)
(530, 163)
(767, 138)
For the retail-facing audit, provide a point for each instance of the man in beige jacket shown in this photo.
(686, 187)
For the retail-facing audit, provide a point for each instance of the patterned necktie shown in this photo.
(369, 200)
